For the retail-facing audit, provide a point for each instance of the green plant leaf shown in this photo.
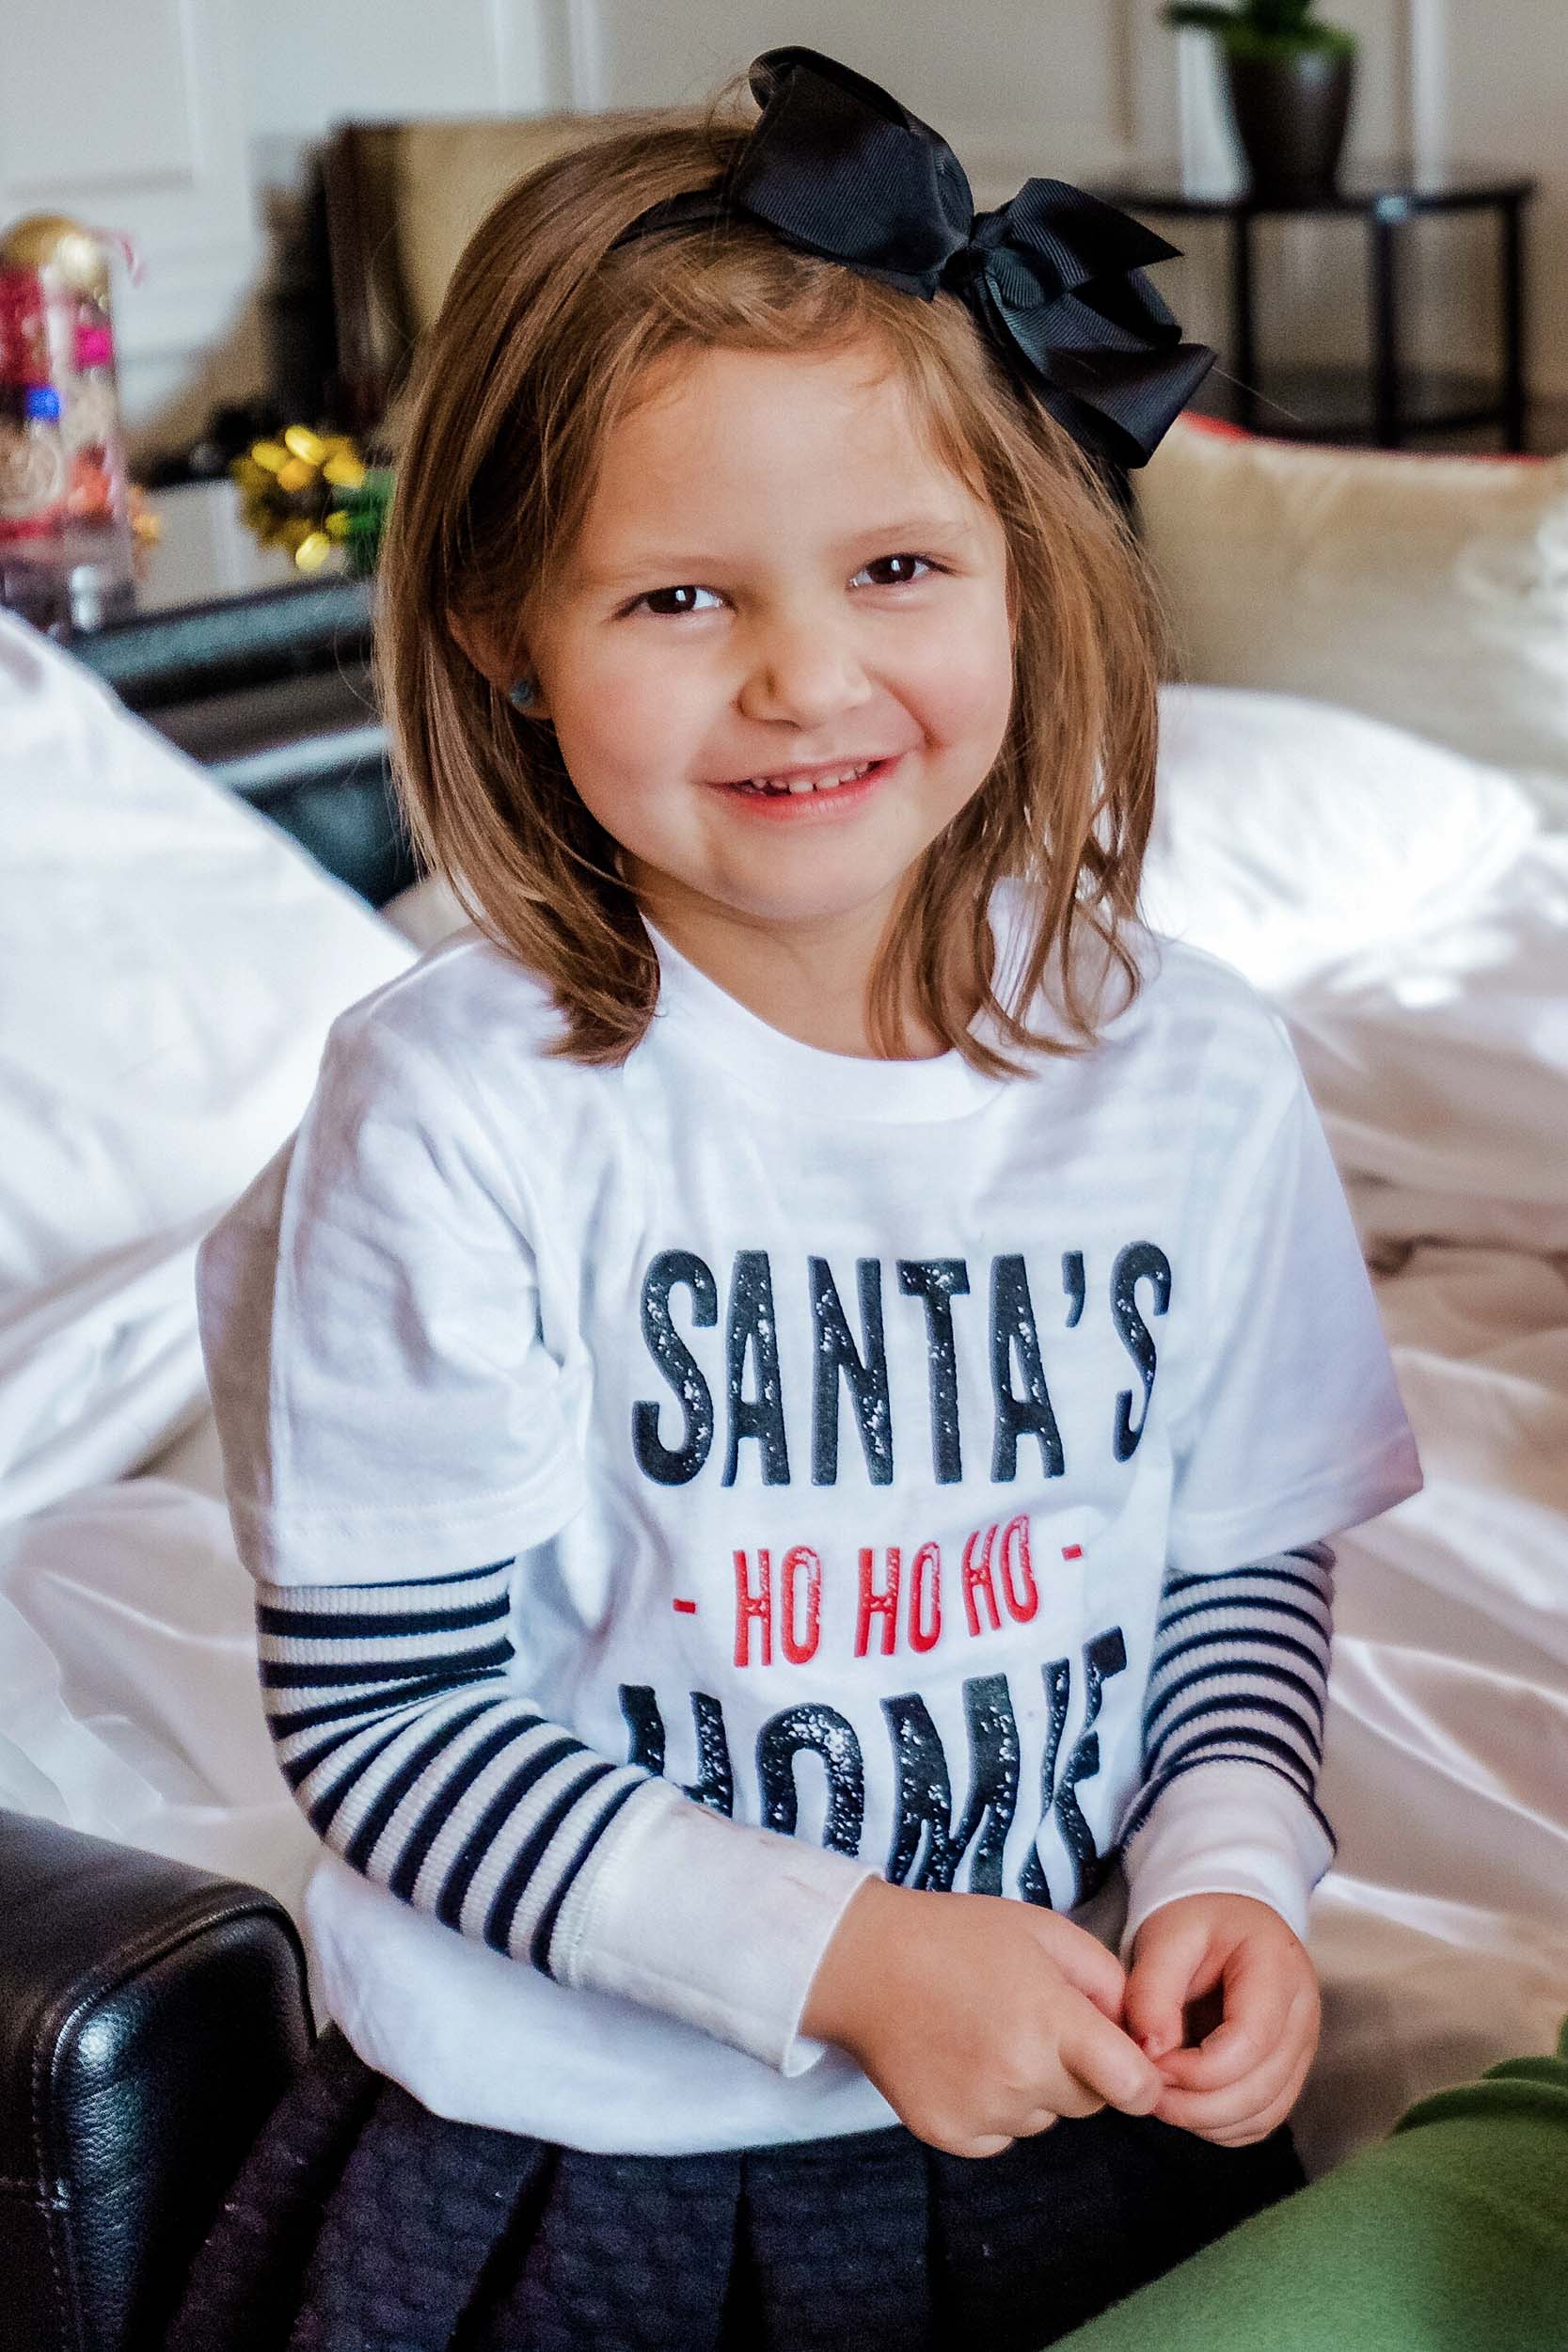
(1259, 28)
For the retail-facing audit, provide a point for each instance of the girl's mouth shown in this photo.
(817, 795)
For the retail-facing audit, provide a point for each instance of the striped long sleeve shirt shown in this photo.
(417, 1758)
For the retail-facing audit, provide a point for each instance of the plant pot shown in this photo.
(1291, 114)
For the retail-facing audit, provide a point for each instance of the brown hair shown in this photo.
(544, 338)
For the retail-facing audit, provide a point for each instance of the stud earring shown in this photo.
(522, 693)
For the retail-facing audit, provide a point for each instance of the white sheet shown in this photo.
(129, 1703)
(128, 1700)
(1442, 1067)
(169, 963)
(1442, 1932)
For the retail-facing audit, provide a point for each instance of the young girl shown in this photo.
(785, 1399)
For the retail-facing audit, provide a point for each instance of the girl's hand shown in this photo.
(979, 2020)
(1237, 2081)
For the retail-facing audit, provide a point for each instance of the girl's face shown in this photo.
(780, 658)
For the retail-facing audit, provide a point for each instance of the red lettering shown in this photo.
(1024, 1598)
(977, 1579)
(748, 1605)
(883, 1603)
(925, 1632)
(800, 1649)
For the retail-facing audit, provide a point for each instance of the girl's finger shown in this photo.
(1076, 2099)
(1085, 1964)
(1164, 1976)
(1210, 2112)
(1107, 2064)
(1275, 2084)
(1268, 2119)
(1030, 2126)
(1248, 2134)
(1266, 2004)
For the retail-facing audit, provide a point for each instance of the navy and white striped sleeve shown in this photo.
(411, 1760)
(1234, 1733)
(417, 1758)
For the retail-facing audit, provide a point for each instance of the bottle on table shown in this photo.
(56, 332)
(96, 492)
(33, 467)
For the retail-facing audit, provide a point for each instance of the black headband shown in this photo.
(837, 167)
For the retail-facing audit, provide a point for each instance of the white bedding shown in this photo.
(128, 1697)
(1442, 1933)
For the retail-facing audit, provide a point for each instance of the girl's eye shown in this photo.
(896, 571)
(672, 602)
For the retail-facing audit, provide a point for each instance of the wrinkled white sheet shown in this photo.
(128, 1701)
(1441, 1068)
(169, 963)
(1442, 1932)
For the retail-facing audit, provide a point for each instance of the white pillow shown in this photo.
(427, 913)
(168, 965)
(1429, 590)
(1289, 834)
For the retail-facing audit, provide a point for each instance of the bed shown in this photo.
(169, 965)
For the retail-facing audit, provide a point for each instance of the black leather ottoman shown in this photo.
(150, 2017)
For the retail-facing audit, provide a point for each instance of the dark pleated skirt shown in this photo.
(363, 2223)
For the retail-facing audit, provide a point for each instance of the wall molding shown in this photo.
(572, 56)
(1427, 96)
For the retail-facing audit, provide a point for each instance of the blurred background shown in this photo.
(208, 132)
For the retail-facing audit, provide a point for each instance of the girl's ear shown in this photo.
(503, 665)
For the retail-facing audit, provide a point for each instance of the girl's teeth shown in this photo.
(805, 784)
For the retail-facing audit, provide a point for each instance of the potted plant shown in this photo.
(1289, 79)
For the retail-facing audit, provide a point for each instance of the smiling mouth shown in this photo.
(796, 783)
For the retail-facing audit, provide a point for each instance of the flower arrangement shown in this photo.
(1263, 28)
(1290, 80)
(311, 493)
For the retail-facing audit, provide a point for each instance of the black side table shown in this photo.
(1389, 404)
(259, 671)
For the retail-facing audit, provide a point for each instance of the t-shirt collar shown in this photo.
(707, 1020)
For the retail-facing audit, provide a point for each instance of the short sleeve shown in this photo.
(1293, 1428)
(385, 1400)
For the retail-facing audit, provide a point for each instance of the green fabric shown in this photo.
(1451, 2235)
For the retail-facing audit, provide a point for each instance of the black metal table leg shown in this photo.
(1387, 424)
(1243, 341)
(1515, 406)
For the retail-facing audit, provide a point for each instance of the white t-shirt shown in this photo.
(844, 1417)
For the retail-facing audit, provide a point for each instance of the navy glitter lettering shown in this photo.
(813, 1729)
(1140, 1262)
(939, 1282)
(671, 1465)
(834, 1353)
(1013, 1335)
(926, 1792)
(753, 1332)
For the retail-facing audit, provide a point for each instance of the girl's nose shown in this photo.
(803, 672)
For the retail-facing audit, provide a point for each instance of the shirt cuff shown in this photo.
(1226, 1829)
(706, 1920)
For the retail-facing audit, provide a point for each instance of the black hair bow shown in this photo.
(837, 166)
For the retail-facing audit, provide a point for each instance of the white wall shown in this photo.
(189, 129)
(129, 114)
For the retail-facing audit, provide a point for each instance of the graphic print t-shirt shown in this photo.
(841, 1418)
